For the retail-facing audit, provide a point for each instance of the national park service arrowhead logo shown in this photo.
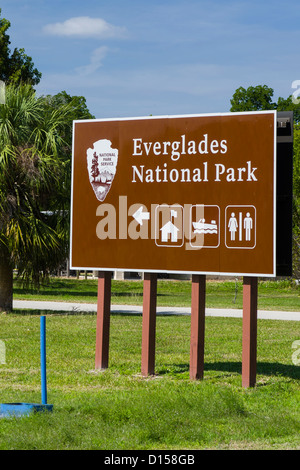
(102, 163)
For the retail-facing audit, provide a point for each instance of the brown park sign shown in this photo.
(186, 194)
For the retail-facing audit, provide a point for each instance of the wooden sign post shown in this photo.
(197, 327)
(179, 194)
(149, 324)
(103, 319)
(249, 331)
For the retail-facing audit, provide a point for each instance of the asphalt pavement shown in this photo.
(134, 309)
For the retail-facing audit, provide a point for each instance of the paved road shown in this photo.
(210, 312)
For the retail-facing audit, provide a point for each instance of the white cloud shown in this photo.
(95, 62)
(85, 27)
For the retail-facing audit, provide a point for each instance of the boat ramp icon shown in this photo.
(205, 226)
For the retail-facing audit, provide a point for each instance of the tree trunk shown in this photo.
(6, 282)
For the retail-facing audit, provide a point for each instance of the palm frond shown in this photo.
(32, 172)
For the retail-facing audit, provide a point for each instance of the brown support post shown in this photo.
(197, 327)
(249, 332)
(149, 324)
(103, 319)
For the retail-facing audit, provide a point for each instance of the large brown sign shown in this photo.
(187, 194)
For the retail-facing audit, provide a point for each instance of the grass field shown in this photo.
(119, 409)
(283, 295)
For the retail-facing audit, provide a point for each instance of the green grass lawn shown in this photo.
(283, 295)
(119, 409)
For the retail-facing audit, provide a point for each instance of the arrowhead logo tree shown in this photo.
(102, 162)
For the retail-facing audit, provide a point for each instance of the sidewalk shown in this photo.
(135, 309)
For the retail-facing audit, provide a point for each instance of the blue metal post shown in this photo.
(43, 359)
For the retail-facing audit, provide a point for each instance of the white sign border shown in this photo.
(180, 116)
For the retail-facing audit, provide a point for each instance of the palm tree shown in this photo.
(32, 162)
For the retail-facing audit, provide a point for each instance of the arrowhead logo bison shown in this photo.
(102, 163)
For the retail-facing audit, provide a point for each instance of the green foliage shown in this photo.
(259, 98)
(35, 170)
(119, 409)
(288, 105)
(296, 172)
(252, 99)
(31, 170)
(15, 67)
(272, 295)
(296, 203)
(77, 109)
(78, 104)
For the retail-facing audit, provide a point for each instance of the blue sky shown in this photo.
(136, 57)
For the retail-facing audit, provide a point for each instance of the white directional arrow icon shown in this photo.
(139, 215)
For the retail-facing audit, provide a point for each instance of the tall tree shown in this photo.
(15, 67)
(252, 99)
(296, 203)
(259, 98)
(95, 166)
(77, 110)
(289, 105)
(77, 103)
(31, 171)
